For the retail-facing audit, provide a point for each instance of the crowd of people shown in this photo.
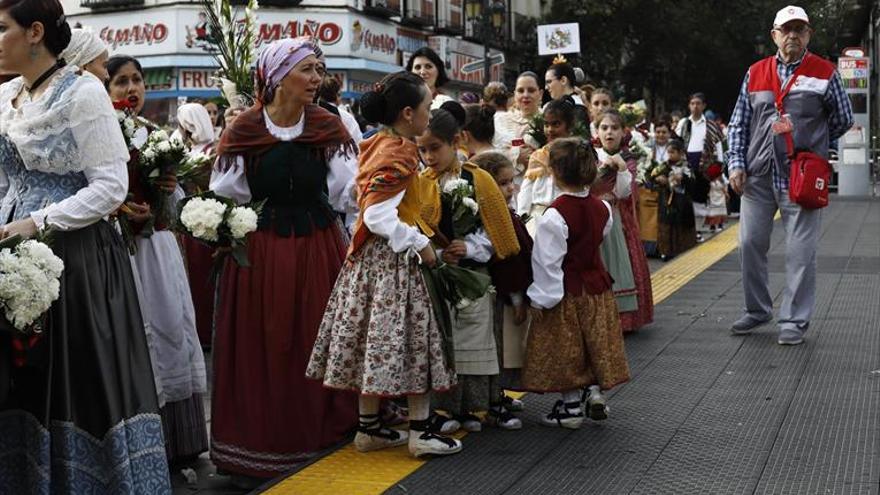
(335, 325)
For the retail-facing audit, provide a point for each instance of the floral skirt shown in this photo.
(379, 335)
(576, 344)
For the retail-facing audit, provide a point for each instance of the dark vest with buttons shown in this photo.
(582, 267)
(292, 178)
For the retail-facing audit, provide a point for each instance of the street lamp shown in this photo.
(488, 19)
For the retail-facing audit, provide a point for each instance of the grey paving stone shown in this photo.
(710, 413)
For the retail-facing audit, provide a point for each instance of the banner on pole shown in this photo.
(559, 38)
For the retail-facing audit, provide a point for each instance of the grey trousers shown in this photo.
(802, 229)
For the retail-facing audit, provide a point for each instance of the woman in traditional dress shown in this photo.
(560, 81)
(195, 127)
(512, 127)
(266, 416)
(81, 415)
(622, 250)
(166, 302)
(426, 64)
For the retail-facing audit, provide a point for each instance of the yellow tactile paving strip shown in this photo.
(350, 472)
(681, 270)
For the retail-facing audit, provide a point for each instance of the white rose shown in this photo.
(149, 154)
(163, 147)
(242, 221)
(202, 217)
(470, 203)
(159, 135)
(453, 184)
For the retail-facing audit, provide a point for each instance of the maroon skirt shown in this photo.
(199, 261)
(266, 416)
(633, 320)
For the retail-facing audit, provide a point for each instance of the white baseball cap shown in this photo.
(790, 13)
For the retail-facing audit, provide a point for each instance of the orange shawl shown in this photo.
(388, 164)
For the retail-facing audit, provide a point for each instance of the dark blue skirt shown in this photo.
(81, 414)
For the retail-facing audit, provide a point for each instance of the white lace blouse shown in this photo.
(551, 246)
(71, 127)
(232, 183)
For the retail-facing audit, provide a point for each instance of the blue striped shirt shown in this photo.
(836, 101)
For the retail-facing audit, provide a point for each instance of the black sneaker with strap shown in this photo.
(564, 415)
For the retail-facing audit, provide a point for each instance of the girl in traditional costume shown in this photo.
(266, 416)
(490, 235)
(80, 413)
(575, 339)
(538, 190)
(511, 277)
(379, 335)
(623, 253)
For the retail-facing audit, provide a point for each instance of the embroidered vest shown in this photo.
(582, 267)
(804, 103)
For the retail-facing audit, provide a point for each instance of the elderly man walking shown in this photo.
(816, 111)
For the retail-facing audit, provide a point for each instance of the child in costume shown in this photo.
(379, 335)
(677, 231)
(470, 240)
(575, 340)
(623, 252)
(511, 277)
(537, 190)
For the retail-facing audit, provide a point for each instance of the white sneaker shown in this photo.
(428, 443)
(469, 422)
(564, 416)
(504, 419)
(444, 424)
(379, 438)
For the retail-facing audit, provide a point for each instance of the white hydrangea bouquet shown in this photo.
(160, 156)
(29, 282)
(219, 223)
(458, 195)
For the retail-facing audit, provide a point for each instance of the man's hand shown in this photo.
(738, 180)
(455, 251)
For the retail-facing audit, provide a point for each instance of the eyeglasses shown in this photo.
(798, 29)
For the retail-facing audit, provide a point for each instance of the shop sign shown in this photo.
(358, 86)
(195, 79)
(185, 30)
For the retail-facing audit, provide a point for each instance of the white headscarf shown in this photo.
(194, 118)
(85, 46)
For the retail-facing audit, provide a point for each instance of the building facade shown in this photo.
(362, 39)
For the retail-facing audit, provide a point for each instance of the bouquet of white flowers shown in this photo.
(160, 156)
(128, 123)
(458, 195)
(29, 282)
(219, 223)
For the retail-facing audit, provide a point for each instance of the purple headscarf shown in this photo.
(278, 59)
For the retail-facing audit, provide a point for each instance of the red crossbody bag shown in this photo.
(810, 173)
